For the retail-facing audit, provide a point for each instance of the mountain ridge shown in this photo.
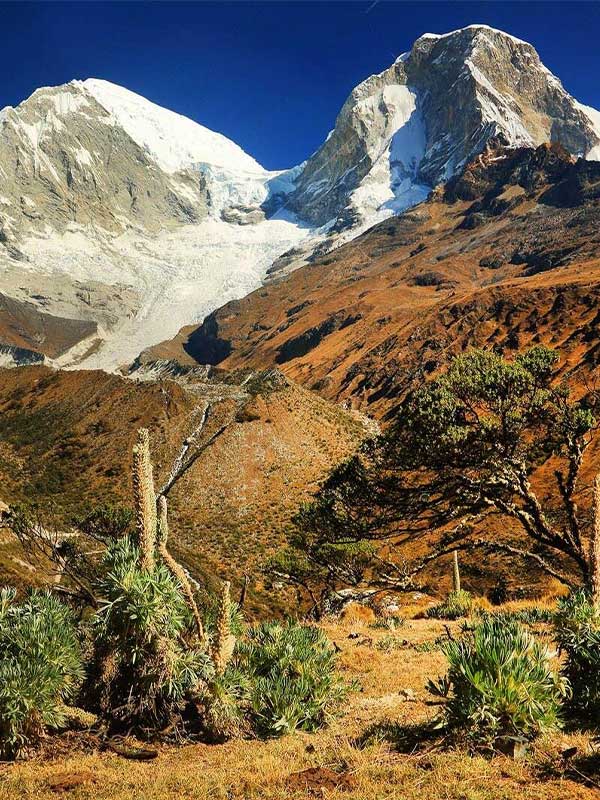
(110, 214)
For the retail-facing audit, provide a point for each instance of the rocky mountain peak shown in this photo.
(135, 221)
(417, 123)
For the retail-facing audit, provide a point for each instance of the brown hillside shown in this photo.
(66, 438)
(505, 255)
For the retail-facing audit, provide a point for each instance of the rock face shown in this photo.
(133, 221)
(65, 162)
(418, 122)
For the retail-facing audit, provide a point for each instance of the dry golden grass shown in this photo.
(392, 690)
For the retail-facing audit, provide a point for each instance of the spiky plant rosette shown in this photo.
(577, 629)
(293, 678)
(146, 659)
(40, 667)
(458, 604)
(500, 683)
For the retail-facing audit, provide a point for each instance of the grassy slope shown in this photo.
(66, 438)
(254, 769)
(367, 320)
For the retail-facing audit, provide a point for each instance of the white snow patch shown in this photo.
(174, 141)
(83, 157)
(594, 117)
(499, 108)
(180, 275)
(391, 185)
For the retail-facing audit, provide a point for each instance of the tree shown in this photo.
(462, 449)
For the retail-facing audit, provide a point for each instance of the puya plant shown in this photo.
(577, 630)
(150, 649)
(500, 685)
(41, 668)
(459, 602)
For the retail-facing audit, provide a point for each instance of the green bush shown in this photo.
(499, 683)
(293, 682)
(528, 616)
(457, 604)
(577, 624)
(224, 705)
(146, 660)
(40, 667)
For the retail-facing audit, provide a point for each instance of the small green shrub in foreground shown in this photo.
(40, 668)
(458, 604)
(499, 683)
(578, 636)
(292, 674)
(146, 658)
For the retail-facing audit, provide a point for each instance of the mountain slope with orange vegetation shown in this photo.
(505, 255)
(66, 439)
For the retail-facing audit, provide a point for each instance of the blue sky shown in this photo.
(272, 76)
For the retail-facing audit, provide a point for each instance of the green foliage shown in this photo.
(224, 705)
(459, 447)
(578, 636)
(456, 605)
(499, 683)
(105, 522)
(146, 658)
(292, 674)
(40, 667)
(528, 616)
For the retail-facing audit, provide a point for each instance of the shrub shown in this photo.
(292, 675)
(528, 616)
(147, 660)
(40, 668)
(499, 684)
(578, 635)
(224, 704)
(498, 594)
(457, 604)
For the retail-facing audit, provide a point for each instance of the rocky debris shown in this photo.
(320, 781)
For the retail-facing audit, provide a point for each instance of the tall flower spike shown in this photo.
(176, 569)
(145, 499)
(224, 640)
(455, 572)
(595, 546)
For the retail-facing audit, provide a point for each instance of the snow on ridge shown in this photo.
(174, 141)
(391, 185)
(474, 27)
(593, 116)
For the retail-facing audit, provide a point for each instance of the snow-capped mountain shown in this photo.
(119, 212)
(134, 220)
(415, 124)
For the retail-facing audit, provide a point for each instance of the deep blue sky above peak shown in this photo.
(272, 76)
